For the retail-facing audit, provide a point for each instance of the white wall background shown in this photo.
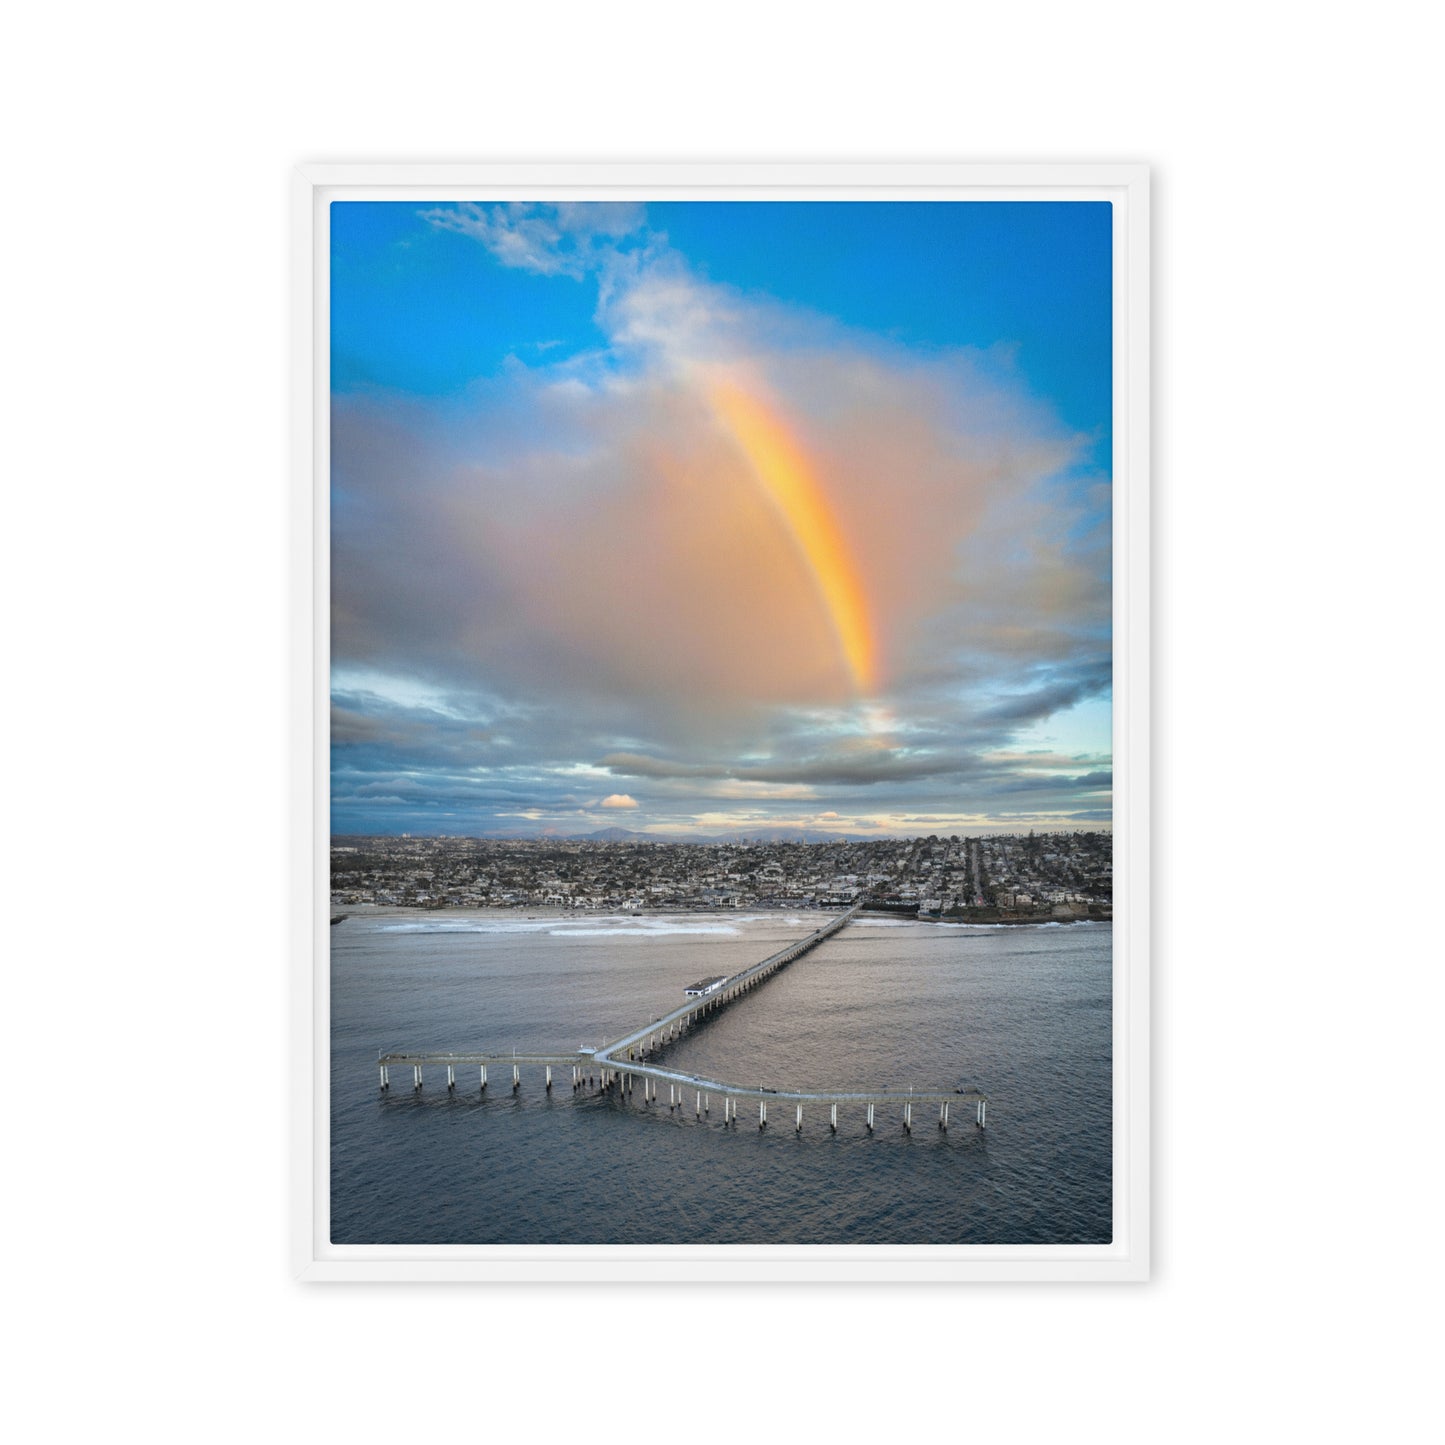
(1298, 962)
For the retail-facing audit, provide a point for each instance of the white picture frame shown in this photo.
(314, 187)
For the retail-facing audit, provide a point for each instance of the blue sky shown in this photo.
(692, 517)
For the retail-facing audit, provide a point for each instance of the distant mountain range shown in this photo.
(747, 835)
(616, 835)
(626, 835)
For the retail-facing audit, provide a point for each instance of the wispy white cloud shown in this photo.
(553, 240)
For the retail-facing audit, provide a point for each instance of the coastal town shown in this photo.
(992, 878)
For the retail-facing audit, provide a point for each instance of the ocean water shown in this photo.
(1023, 1013)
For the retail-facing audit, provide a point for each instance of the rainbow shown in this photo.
(787, 478)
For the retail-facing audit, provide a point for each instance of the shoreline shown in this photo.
(988, 917)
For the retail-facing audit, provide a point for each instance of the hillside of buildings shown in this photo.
(993, 878)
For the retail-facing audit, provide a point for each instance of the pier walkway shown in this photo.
(617, 1067)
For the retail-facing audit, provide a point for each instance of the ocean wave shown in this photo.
(479, 925)
(1049, 923)
(540, 926)
(594, 927)
(970, 927)
(658, 931)
(604, 925)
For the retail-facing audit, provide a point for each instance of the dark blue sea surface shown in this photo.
(1023, 1013)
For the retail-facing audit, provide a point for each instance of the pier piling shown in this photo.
(614, 1068)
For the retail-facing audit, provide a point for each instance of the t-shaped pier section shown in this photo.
(618, 1066)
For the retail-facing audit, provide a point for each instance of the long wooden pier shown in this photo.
(618, 1067)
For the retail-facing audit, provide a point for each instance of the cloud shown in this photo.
(1041, 783)
(349, 726)
(674, 581)
(568, 239)
(577, 560)
(1063, 692)
(856, 768)
(1039, 759)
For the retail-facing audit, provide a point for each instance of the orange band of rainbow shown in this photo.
(787, 477)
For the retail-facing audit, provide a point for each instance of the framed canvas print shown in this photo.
(721, 722)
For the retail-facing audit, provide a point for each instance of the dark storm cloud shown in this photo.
(860, 770)
(1053, 697)
(1062, 787)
